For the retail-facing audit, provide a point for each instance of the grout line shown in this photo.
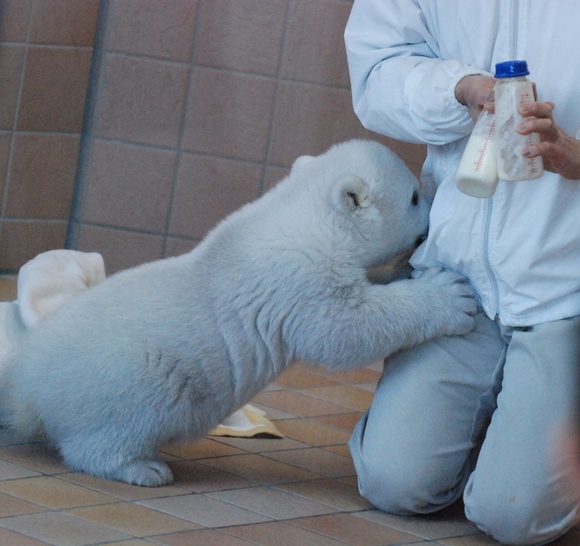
(27, 43)
(172, 149)
(179, 149)
(86, 141)
(15, 121)
(282, 48)
(277, 76)
(36, 220)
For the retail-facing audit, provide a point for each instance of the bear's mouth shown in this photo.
(420, 240)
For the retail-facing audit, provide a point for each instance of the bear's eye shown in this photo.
(415, 199)
(353, 198)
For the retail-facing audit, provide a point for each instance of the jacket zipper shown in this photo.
(514, 15)
(515, 9)
(486, 262)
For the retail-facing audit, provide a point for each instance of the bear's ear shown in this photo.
(353, 193)
(302, 160)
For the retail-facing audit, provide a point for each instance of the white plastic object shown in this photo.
(513, 89)
(477, 172)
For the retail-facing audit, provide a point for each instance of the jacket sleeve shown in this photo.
(401, 86)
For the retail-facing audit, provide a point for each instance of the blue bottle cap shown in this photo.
(511, 69)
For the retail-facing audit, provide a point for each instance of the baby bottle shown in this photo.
(477, 172)
(513, 89)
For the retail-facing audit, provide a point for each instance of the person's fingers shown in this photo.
(545, 126)
(537, 109)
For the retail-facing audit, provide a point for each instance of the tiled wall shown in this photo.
(195, 108)
(45, 59)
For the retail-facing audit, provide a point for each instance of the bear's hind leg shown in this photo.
(145, 472)
(138, 467)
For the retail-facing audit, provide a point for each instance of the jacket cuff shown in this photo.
(452, 101)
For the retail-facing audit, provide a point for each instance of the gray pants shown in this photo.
(417, 448)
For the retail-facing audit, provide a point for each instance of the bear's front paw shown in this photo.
(452, 301)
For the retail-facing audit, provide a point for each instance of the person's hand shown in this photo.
(477, 93)
(559, 151)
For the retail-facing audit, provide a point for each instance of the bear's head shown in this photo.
(374, 201)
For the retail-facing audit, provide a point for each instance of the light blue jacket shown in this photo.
(520, 248)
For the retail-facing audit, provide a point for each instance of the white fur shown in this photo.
(169, 349)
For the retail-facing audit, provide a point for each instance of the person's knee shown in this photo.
(398, 481)
(399, 486)
(518, 520)
(405, 491)
(388, 490)
(378, 480)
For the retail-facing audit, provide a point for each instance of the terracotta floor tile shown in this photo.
(8, 288)
(271, 413)
(257, 445)
(349, 480)
(273, 387)
(280, 534)
(54, 493)
(203, 537)
(39, 457)
(201, 449)
(273, 503)
(340, 450)
(10, 538)
(120, 489)
(354, 531)
(371, 387)
(134, 542)
(422, 543)
(229, 491)
(299, 404)
(345, 395)
(476, 540)
(301, 377)
(352, 377)
(134, 520)
(312, 433)
(13, 506)
(344, 421)
(340, 495)
(202, 478)
(204, 510)
(325, 463)
(432, 527)
(11, 471)
(261, 469)
(61, 529)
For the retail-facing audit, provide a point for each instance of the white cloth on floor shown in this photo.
(247, 422)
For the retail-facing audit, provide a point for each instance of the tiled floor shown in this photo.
(297, 491)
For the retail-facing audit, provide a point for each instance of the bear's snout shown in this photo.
(420, 239)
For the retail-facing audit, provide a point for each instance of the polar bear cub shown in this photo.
(167, 350)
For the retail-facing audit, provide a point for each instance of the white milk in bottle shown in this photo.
(513, 89)
(477, 172)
